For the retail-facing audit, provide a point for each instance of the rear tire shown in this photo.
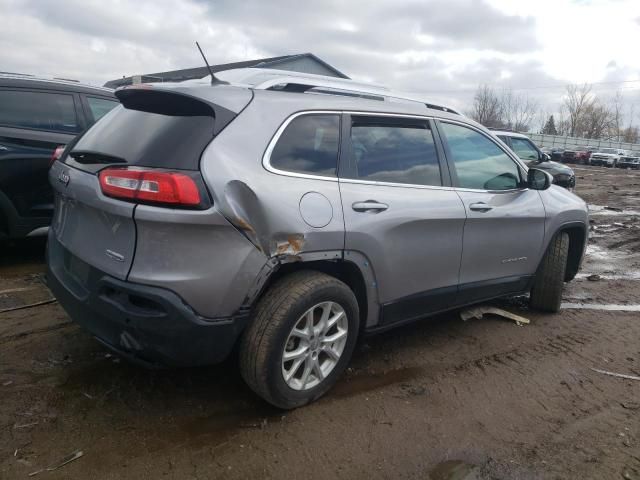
(546, 293)
(279, 324)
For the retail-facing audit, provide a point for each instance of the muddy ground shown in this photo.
(441, 399)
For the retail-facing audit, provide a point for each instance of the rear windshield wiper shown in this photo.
(85, 157)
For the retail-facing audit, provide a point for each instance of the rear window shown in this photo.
(38, 110)
(142, 138)
(309, 144)
(100, 107)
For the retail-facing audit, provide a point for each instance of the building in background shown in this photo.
(303, 62)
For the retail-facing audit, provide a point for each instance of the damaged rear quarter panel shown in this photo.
(212, 266)
(265, 206)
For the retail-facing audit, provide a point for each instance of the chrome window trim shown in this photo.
(391, 184)
(266, 158)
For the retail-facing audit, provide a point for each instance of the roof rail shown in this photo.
(329, 86)
(57, 80)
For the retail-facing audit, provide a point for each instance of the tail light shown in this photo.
(57, 153)
(150, 186)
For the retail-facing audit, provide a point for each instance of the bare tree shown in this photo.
(596, 120)
(577, 100)
(617, 120)
(631, 134)
(562, 125)
(503, 110)
(518, 111)
(487, 108)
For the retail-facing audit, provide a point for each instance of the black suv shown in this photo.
(36, 116)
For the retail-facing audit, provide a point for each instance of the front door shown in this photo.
(401, 213)
(504, 231)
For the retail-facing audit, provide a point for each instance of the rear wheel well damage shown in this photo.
(345, 271)
(577, 240)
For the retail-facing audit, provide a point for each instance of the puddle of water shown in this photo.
(454, 470)
(633, 275)
(601, 306)
(602, 210)
(601, 260)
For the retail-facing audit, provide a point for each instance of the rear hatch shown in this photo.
(146, 150)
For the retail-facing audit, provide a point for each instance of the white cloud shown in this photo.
(441, 47)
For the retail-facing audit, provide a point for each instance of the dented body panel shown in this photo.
(210, 264)
(265, 206)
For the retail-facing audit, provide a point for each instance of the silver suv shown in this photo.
(288, 214)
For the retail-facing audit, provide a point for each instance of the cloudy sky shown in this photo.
(444, 48)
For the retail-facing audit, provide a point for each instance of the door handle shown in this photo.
(369, 206)
(480, 207)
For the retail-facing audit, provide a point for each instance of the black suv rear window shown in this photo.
(309, 144)
(142, 138)
(38, 110)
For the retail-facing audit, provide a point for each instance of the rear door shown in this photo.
(504, 230)
(401, 213)
(32, 124)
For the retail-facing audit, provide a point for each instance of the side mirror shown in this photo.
(538, 179)
(544, 157)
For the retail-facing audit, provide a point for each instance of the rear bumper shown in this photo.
(149, 325)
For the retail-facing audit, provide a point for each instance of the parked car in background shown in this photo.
(631, 160)
(37, 116)
(576, 155)
(590, 149)
(286, 215)
(535, 158)
(556, 154)
(607, 157)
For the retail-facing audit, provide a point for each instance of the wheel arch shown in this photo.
(355, 272)
(578, 236)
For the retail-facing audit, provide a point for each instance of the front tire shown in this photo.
(301, 339)
(546, 293)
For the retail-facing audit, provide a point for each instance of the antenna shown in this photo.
(214, 80)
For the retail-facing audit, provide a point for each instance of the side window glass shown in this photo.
(524, 148)
(38, 110)
(100, 106)
(309, 144)
(479, 162)
(394, 152)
